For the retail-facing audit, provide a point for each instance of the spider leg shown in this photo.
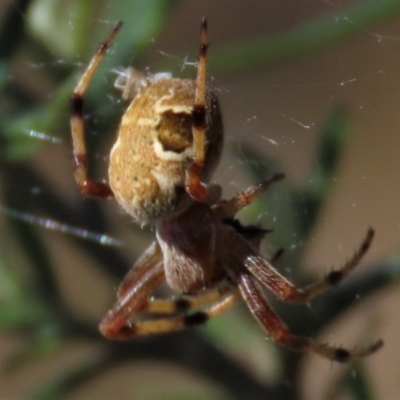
(186, 302)
(194, 187)
(198, 300)
(174, 323)
(229, 208)
(116, 324)
(148, 260)
(277, 255)
(80, 163)
(263, 271)
(260, 308)
(134, 296)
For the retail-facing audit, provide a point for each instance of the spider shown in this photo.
(169, 143)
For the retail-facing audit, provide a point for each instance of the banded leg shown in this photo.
(174, 323)
(116, 324)
(195, 188)
(187, 302)
(192, 302)
(279, 332)
(80, 162)
(268, 276)
(134, 297)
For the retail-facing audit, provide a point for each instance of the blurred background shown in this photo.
(309, 88)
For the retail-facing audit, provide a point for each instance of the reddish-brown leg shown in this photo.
(264, 272)
(117, 325)
(174, 323)
(259, 307)
(149, 259)
(135, 297)
(80, 162)
(246, 197)
(191, 302)
(197, 189)
(229, 208)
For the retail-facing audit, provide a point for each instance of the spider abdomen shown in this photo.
(154, 147)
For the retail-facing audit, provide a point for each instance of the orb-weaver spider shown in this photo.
(169, 143)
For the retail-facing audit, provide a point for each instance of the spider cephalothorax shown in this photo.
(169, 143)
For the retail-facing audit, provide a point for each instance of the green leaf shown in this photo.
(47, 22)
(17, 142)
(18, 309)
(305, 38)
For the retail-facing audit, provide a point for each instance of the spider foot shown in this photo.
(343, 355)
